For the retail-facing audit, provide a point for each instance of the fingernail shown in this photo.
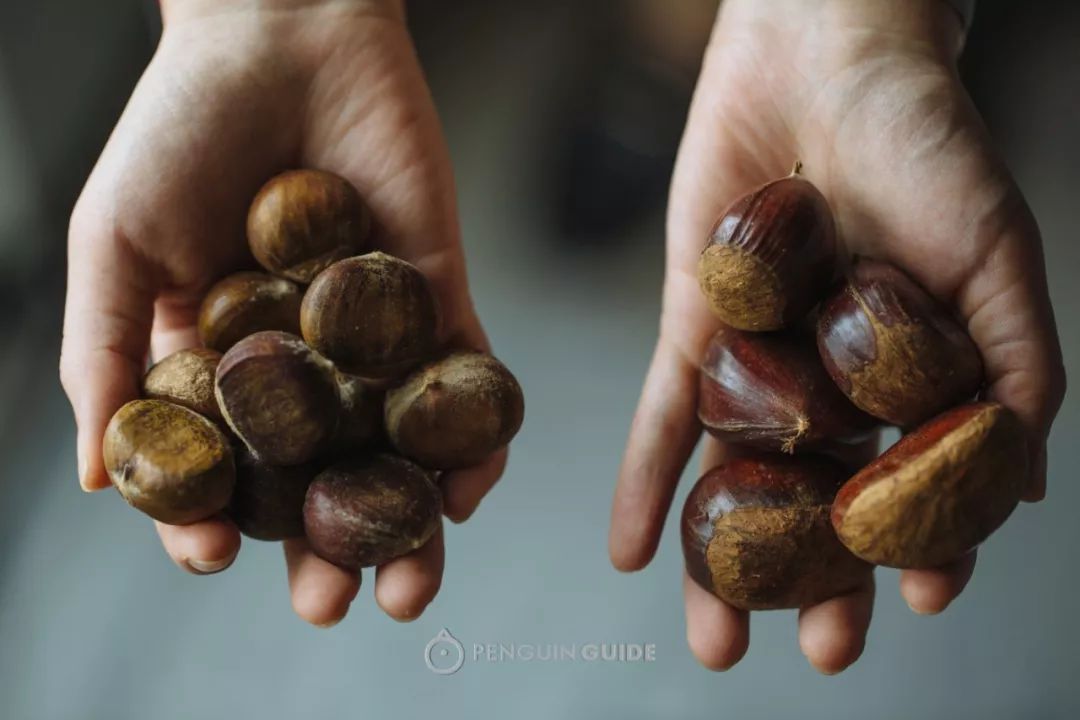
(83, 467)
(209, 567)
(922, 611)
(328, 624)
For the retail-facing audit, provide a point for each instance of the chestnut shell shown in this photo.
(770, 257)
(268, 501)
(938, 492)
(756, 533)
(186, 377)
(245, 303)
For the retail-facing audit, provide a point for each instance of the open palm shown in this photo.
(867, 96)
(232, 97)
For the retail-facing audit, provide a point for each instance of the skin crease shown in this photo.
(237, 92)
(866, 94)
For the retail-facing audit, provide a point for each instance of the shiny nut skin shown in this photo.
(771, 391)
(268, 501)
(756, 533)
(303, 221)
(279, 397)
(169, 462)
(455, 412)
(366, 511)
(186, 378)
(938, 492)
(246, 303)
(771, 257)
(373, 315)
(361, 423)
(893, 349)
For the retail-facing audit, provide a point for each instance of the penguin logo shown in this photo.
(444, 655)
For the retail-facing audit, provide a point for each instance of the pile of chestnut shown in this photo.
(321, 404)
(805, 365)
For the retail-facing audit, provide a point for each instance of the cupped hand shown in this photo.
(237, 92)
(866, 94)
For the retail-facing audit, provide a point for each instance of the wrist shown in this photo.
(181, 10)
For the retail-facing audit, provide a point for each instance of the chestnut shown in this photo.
(756, 533)
(938, 492)
(186, 378)
(361, 422)
(168, 461)
(365, 511)
(893, 349)
(771, 391)
(268, 501)
(246, 303)
(771, 256)
(373, 315)
(454, 412)
(303, 221)
(278, 396)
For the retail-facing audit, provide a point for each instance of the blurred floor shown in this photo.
(95, 621)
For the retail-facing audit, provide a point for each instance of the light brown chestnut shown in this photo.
(303, 221)
(893, 349)
(938, 492)
(454, 412)
(246, 303)
(771, 391)
(279, 397)
(367, 511)
(756, 533)
(268, 501)
(169, 462)
(186, 378)
(373, 315)
(771, 256)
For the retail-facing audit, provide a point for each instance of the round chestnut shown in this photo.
(938, 492)
(268, 501)
(771, 391)
(246, 303)
(373, 315)
(169, 462)
(893, 349)
(771, 256)
(454, 412)
(366, 511)
(278, 396)
(186, 378)
(756, 533)
(303, 221)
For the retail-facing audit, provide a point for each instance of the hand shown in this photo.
(866, 94)
(237, 92)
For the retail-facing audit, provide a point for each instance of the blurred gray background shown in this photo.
(95, 622)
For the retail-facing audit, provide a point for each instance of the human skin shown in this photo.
(238, 91)
(866, 94)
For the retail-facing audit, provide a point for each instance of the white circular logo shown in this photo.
(444, 655)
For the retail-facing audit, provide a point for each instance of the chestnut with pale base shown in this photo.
(186, 378)
(938, 492)
(756, 533)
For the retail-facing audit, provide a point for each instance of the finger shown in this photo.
(662, 436)
(929, 592)
(832, 634)
(202, 548)
(107, 319)
(464, 489)
(405, 586)
(321, 591)
(717, 633)
(175, 327)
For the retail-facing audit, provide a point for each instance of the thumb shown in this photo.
(107, 319)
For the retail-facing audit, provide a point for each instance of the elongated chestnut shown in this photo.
(373, 315)
(366, 511)
(268, 501)
(893, 349)
(186, 378)
(938, 492)
(246, 303)
(303, 221)
(771, 256)
(454, 412)
(756, 533)
(169, 462)
(278, 396)
(771, 391)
